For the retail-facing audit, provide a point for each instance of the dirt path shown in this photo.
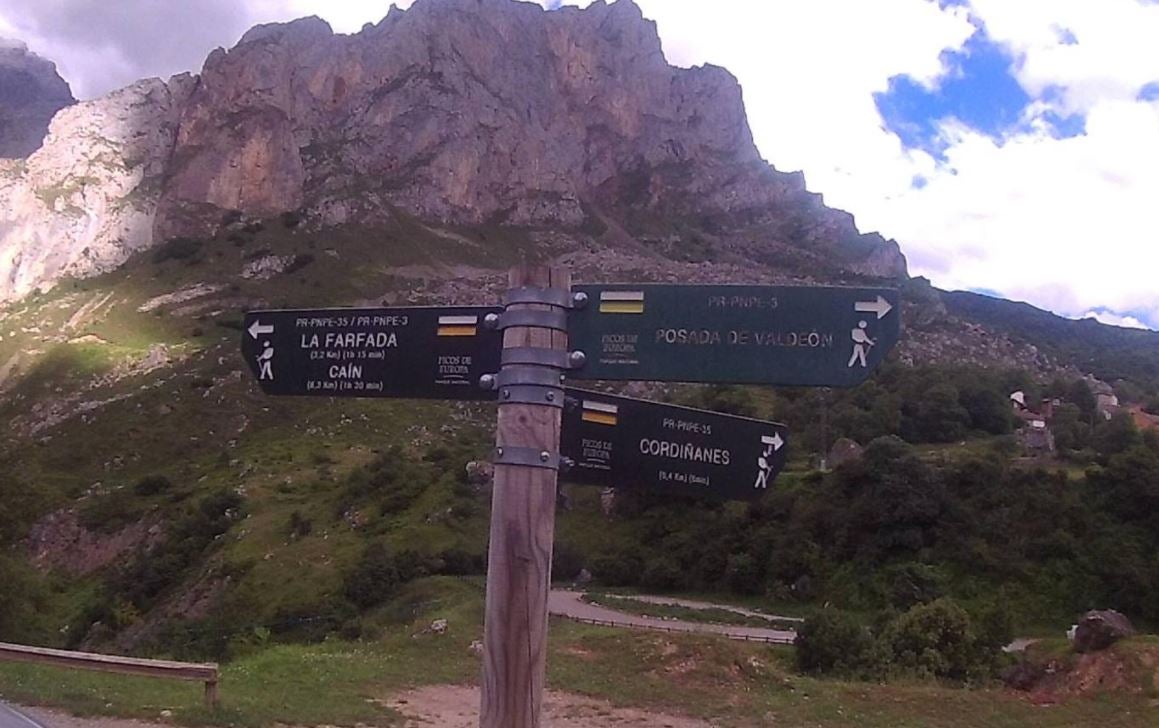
(455, 706)
(569, 604)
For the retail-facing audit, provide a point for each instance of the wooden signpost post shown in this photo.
(518, 354)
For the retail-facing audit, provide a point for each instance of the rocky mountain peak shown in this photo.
(31, 92)
(457, 111)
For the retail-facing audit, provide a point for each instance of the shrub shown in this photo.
(152, 485)
(111, 512)
(457, 562)
(299, 262)
(617, 569)
(374, 579)
(913, 583)
(566, 562)
(299, 526)
(833, 641)
(180, 248)
(411, 565)
(662, 573)
(932, 640)
(743, 574)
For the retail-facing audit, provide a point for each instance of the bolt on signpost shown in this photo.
(518, 354)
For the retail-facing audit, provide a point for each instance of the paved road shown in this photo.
(693, 604)
(12, 718)
(569, 604)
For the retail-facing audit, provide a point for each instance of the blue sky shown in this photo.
(1008, 145)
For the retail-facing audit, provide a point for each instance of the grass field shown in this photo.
(728, 683)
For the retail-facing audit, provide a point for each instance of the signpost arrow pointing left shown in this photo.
(881, 307)
(258, 329)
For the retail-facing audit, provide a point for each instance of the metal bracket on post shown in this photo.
(555, 319)
(526, 456)
(537, 376)
(532, 394)
(546, 296)
(543, 357)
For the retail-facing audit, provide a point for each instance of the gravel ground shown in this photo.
(455, 706)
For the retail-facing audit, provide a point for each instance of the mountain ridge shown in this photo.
(453, 111)
(31, 92)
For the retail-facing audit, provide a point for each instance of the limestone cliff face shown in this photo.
(468, 111)
(87, 199)
(31, 92)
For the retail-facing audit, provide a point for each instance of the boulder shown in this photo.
(1099, 629)
(844, 451)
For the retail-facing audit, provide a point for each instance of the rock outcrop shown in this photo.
(1099, 629)
(476, 112)
(31, 92)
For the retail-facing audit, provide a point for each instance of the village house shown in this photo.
(1106, 402)
(1034, 435)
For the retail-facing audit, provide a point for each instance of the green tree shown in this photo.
(988, 410)
(1080, 395)
(933, 640)
(832, 641)
(897, 499)
(935, 416)
(1116, 435)
(1070, 431)
(374, 579)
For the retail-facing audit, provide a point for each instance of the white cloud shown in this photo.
(1063, 223)
(1111, 319)
(1112, 56)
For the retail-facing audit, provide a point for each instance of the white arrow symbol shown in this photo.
(258, 328)
(880, 307)
(775, 441)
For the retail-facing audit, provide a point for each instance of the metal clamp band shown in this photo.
(532, 394)
(541, 376)
(547, 296)
(525, 456)
(554, 319)
(537, 356)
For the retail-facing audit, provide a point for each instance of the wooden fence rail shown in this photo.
(203, 672)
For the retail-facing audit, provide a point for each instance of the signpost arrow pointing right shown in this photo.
(258, 329)
(777, 442)
(881, 307)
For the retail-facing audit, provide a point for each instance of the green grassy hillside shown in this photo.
(155, 502)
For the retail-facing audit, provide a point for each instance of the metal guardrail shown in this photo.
(675, 630)
(196, 672)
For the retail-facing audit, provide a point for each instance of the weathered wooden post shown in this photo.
(527, 459)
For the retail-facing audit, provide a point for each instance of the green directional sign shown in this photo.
(620, 442)
(436, 352)
(810, 336)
